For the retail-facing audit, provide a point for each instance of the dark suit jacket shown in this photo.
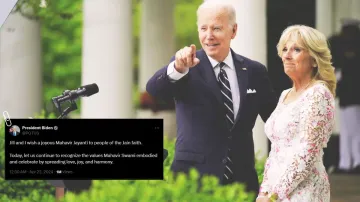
(202, 136)
(346, 58)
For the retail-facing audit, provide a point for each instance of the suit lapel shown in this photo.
(242, 77)
(208, 74)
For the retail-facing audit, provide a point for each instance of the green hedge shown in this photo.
(170, 190)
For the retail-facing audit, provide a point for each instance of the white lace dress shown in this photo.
(299, 131)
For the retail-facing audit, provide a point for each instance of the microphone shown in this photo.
(83, 91)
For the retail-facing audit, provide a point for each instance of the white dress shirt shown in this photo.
(230, 71)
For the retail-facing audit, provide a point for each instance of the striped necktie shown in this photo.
(228, 104)
(226, 95)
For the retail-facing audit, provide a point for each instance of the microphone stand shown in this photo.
(61, 186)
(72, 107)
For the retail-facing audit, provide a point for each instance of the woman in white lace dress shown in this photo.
(301, 125)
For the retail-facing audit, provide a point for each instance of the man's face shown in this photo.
(215, 32)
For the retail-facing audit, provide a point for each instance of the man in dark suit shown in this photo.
(218, 95)
(345, 48)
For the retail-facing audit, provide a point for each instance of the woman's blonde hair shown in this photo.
(316, 44)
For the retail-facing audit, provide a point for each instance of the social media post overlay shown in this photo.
(84, 149)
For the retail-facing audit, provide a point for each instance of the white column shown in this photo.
(342, 10)
(107, 58)
(355, 9)
(157, 46)
(157, 37)
(346, 9)
(324, 16)
(250, 42)
(20, 67)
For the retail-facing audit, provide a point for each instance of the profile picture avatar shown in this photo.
(14, 130)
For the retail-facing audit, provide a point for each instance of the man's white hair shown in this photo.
(219, 4)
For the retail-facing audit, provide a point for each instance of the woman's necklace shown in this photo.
(301, 89)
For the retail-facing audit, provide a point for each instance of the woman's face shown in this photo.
(297, 61)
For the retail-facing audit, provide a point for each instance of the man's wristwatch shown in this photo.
(273, 197)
